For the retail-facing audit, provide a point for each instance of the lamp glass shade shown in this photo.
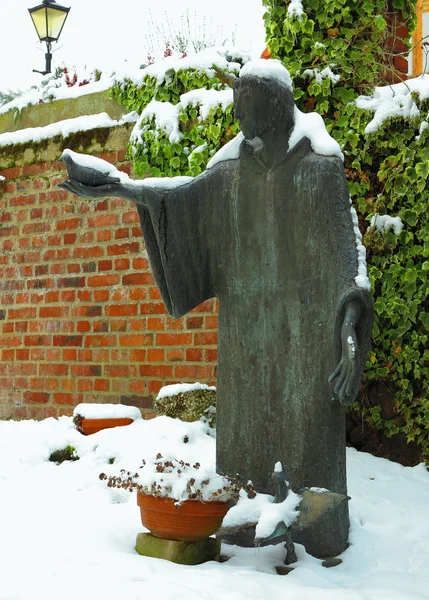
(49, 20)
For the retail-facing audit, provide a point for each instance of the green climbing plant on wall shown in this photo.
(200, 132)
(337, 50)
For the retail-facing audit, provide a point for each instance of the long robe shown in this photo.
(277, 247)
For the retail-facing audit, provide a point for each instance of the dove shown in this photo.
(89, 170)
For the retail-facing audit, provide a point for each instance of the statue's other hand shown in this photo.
(346, 375)
(88, 191)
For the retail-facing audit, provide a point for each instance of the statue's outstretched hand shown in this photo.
(347, 373)
(88, 191)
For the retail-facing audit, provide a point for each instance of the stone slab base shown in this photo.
(183, 553)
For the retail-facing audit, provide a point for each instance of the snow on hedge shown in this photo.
(394, 101)
(385, 222)
(229, 59)
(167, 115)
(107, 411)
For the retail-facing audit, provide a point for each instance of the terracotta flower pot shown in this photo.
(88, 426)
(191, 521)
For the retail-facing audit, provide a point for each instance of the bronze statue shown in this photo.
(269, 232)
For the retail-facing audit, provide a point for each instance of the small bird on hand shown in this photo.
(88, 170)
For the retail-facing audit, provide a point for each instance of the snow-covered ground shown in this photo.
(65, 535)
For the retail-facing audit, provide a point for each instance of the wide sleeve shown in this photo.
(175, 224)
(348, 255)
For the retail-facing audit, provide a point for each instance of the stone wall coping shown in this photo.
(47, 113)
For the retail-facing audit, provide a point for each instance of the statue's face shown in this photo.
(249, 111)
(254, 111)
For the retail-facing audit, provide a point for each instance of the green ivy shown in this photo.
(387, 173)
(169, 88)
(154, 155)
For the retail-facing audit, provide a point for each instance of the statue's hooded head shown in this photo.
(263, 97)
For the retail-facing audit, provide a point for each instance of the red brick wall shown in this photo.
(81, 319)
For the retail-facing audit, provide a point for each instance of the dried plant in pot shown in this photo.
(177, 500)
(91, 418)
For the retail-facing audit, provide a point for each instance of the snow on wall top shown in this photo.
(64, 128)
(56, 89)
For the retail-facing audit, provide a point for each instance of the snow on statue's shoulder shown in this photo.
(312, 126)
(231, 151)
(107, 411)
(267, 69)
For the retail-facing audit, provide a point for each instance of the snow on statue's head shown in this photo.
(263, 97)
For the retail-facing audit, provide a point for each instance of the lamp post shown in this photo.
(48, 18)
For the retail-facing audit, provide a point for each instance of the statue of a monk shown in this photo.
(268, 230)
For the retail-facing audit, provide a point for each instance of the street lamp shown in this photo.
(48, 18)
